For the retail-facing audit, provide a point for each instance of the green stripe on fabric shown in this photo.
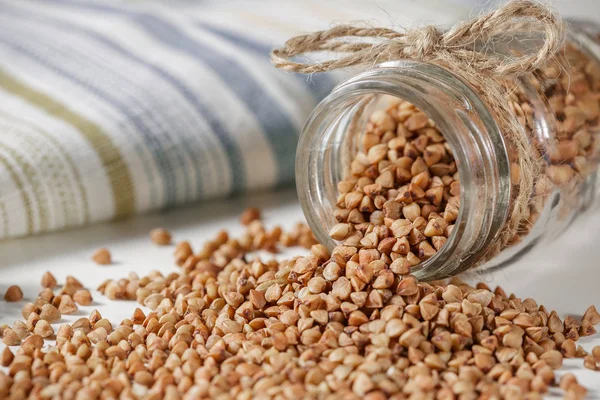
(114, 164)
(24, 195)
(54, 178)
(67, 207)
(43, 205)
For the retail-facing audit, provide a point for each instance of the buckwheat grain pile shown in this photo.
(343, 325)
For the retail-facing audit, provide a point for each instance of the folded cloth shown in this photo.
(113, 108)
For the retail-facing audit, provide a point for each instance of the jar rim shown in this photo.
(404, 79)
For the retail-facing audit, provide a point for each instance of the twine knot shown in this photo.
(423, 42)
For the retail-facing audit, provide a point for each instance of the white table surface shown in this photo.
(564, 276)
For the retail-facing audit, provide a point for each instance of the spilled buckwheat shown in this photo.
(344, 325)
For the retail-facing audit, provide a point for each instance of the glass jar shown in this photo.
(556, 109)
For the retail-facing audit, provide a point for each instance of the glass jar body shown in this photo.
(558, 121)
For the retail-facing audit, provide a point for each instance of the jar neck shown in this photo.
(329, 139)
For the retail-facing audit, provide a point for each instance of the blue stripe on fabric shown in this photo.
(319, 85)
(275, 123)
(238, 175)
(165, 165)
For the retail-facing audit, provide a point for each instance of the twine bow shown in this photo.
(429, 43)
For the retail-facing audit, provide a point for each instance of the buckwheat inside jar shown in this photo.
(402, 192)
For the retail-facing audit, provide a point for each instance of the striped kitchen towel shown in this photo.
(112, 108)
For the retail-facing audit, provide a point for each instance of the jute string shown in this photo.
(462, 50)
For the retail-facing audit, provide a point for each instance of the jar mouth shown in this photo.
(465, 122)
